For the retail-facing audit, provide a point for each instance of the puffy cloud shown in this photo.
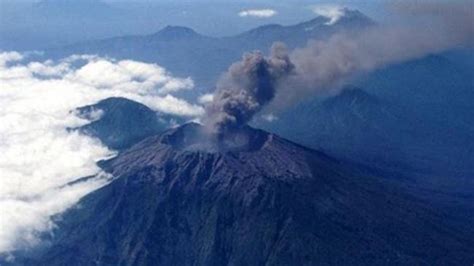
(129, 76)
(331, 12)
(8, 57)
(206, 98)
(258, 13)
(40, 159)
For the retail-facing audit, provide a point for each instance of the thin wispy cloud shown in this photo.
(332, 12)
(40, 158)
(258, 13)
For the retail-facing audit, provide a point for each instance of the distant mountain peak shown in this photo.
(119, 123)
(353, 15)
(322, 25)
(331, 13)
(176, 32)
(338, 16)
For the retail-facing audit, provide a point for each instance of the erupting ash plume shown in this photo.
(323, 66)
(245, 88)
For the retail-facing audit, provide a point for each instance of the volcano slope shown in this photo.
(254, 199)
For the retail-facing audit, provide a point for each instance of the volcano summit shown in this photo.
(276, 203)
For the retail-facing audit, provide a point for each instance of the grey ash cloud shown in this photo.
(246, 88)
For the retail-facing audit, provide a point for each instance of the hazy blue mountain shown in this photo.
(122, 122)
(185, 52)
(436, 92)
(266, 201)
(181, 50)
(34, 24)
(298, 35)
(412, 117)
(353, 124)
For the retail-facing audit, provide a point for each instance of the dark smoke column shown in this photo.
(246, 88)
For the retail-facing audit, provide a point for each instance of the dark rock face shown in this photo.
(277, 203)
(123, 122)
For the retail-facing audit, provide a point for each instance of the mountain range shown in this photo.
(184, 51)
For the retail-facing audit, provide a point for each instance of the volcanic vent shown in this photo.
(193, 137)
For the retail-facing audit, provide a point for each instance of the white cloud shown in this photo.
(258, 13)
(332, 12)
(206, 98)
(130, 76)
(39, 156)
(9, 57)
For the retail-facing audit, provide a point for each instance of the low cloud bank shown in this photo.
(39, 156)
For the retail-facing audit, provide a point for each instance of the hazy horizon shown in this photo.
(26, 25)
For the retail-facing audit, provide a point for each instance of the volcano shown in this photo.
(251, 199)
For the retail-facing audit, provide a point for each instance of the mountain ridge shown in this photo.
(351, 15)
(119, 122)
(183, 51)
